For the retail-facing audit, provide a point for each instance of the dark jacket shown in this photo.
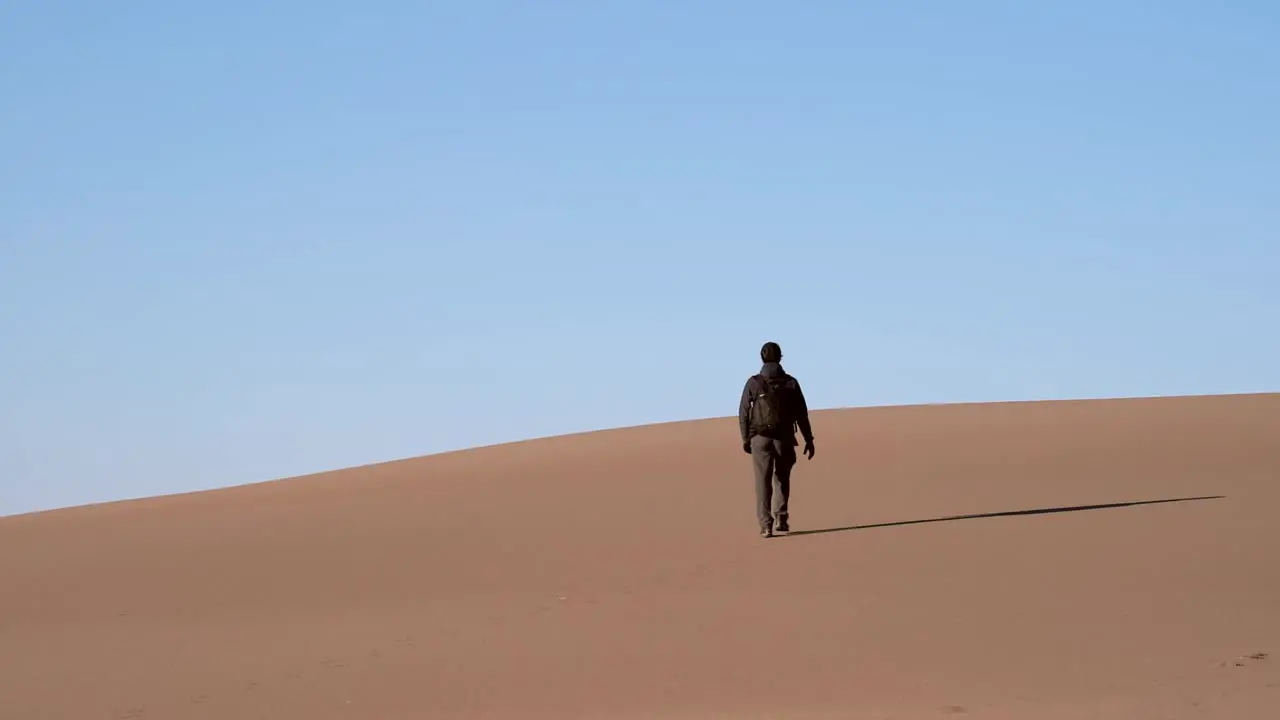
(799, 409)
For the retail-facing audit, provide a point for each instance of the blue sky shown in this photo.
(240, 240)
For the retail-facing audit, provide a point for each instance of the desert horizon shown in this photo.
(1107, 558)
(478, 447)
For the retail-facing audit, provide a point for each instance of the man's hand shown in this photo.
(808, 449)
(746, 446)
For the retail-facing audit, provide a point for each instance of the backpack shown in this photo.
(769, 406)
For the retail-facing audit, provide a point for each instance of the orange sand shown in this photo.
(618, 575)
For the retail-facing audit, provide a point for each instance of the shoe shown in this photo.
(766, 532)
(784, 526)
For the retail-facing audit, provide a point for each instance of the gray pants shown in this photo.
(773, 460)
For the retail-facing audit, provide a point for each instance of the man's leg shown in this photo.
(763, 462)
(781, 501)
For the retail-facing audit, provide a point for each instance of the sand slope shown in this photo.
(618, 575)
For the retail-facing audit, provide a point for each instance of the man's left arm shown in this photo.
(744, 416)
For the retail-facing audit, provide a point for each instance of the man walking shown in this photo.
(771, 408)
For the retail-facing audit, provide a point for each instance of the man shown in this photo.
(771, 408)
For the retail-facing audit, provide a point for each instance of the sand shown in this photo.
(618, 575)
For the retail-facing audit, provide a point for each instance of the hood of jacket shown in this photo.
(772, 370)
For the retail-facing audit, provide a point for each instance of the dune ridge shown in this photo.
(1109, 558)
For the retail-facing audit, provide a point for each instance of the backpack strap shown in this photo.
(760, 384)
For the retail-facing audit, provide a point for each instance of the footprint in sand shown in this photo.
(1240, 661)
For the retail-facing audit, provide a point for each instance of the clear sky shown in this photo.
(244, 240)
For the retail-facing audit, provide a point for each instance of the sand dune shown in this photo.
(618, 575)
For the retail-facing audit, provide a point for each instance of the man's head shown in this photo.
(771, 353)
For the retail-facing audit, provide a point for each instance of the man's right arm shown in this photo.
(802, 414)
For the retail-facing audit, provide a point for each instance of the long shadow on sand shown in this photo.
(1007, 513)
